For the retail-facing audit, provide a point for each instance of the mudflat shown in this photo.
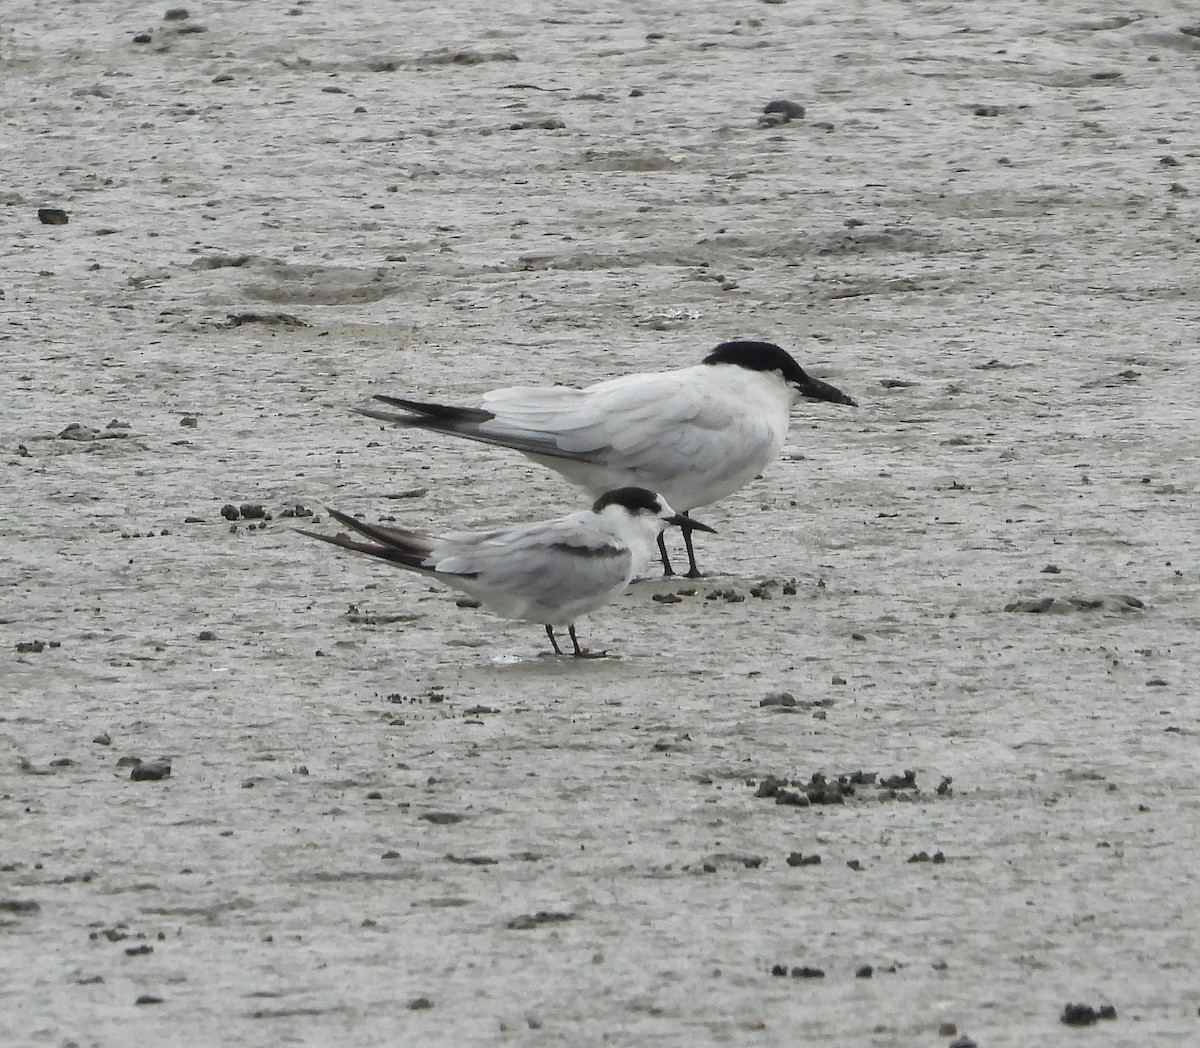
(915, 763)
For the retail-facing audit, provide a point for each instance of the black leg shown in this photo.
(583, 653)
(666, 561)
(550, 634)
(693, 571)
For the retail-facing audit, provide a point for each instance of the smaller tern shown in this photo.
(550, 571)
(695, 434)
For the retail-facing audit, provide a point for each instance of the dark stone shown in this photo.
(528, 921)
(788, 110)
(792, 797)
(52, 216)
(769, 787)
(19, 906)
(151, 771)
(798, 859)
(1086, 1015)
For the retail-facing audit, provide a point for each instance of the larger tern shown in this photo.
(549, 572)
(695, 434)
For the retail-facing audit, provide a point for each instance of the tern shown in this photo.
(549, 572)
(695, 434)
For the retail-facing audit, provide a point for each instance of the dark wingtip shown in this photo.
(426, 412)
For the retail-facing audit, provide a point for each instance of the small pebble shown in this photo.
(778, 698)
(142, 38)
(864, 972)
(52, 216)
(788, 110)
(148, 998)
(103, 739)
(175, 14)
(1086, 1015)
(792, 798)
(252, 511)
(922, 856)
(151, 771)
(19, 906)
(206, 635)
(963, 1042)
(797, 859)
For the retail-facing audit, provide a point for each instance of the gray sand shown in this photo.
(985, 228)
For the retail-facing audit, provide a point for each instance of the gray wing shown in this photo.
(548, 571)
(625, 417)
(678, 432)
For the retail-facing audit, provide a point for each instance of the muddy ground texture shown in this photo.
(256, 792)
